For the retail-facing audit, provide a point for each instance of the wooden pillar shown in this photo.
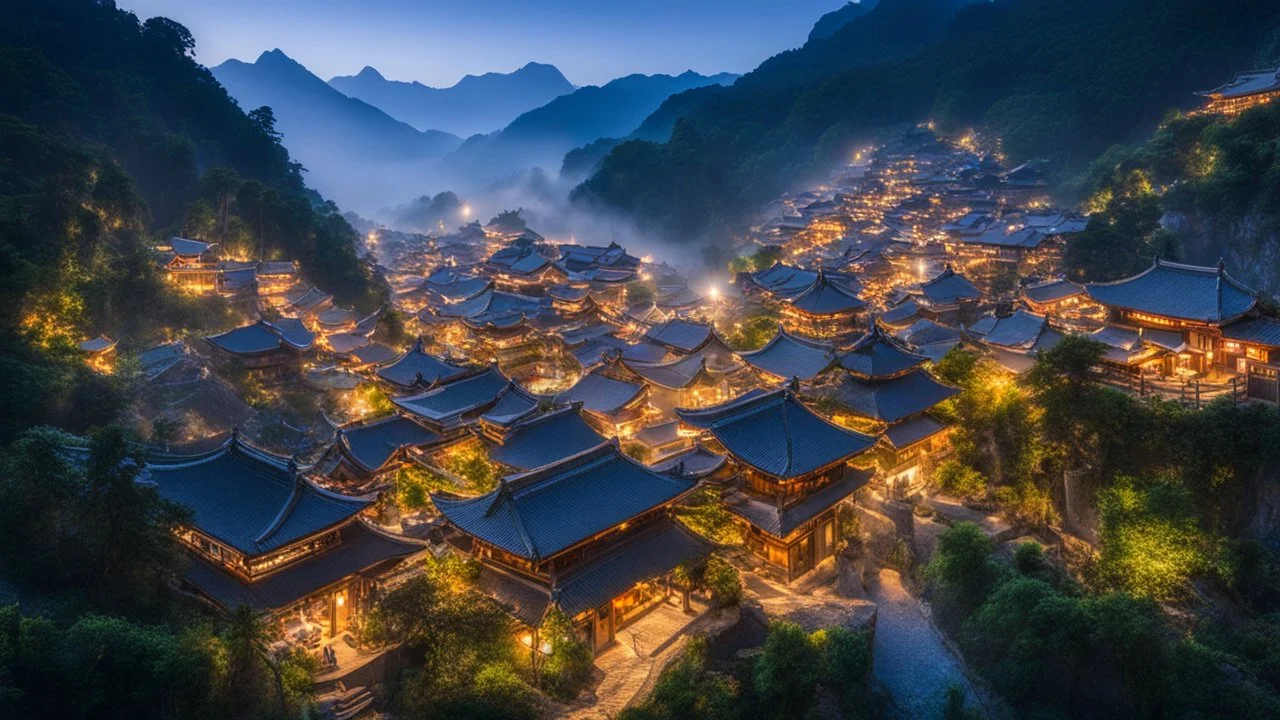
(1197, 394)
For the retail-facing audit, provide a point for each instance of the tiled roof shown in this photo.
(1020, 330)
(888, 400)
(651, 552)
(1186, 292)
(406, 369)
(359, 549)
(676, 375)
(787, 356)
(189, 248)
(601, 394)
(100, 344)
(263, 337)
(900, 314)
(776, 434)
(878, 355)
(1258, 331)
(779, 522)
(824, 297)
(541, 513)
(927, 332)
(695, 462)
(515, 405)
(249, 499)
(909, 432)
(372, 444)
(680, 335)
(373, 353)
(1001, 236)
(521, 597)
(1052, 291)
(545, 439)
(1248, 83)
(949, 288)
(445, 403)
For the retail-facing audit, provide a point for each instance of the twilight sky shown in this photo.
(591, 41)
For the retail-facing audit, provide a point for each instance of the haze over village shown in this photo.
(908, 359)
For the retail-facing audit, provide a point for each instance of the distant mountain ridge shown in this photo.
(475, 104)
(337, 138)
(831, 23)
(541, 137)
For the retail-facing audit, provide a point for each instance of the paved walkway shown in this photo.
(911, 660)
(640, 650)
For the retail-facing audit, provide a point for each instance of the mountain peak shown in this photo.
(368, 72)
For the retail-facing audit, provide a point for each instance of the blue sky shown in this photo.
(591, 41)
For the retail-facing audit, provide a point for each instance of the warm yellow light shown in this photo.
(466, 211)
(715, 293)
(341, 601)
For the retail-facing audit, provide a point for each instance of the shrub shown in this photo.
(724, 582)
(956, 478)
(788, 671)
(568, 668)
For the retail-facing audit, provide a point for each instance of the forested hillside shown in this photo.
(1056, 79)
(111, 137)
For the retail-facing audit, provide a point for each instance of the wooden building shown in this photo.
(793, 470)
(264, 537)
(591, 535)
(881, 383)
(272, 348)
(1246, 90)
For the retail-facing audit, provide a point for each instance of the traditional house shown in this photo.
(191, 264)
(615, 408)
(1054, 297)
(306, 302)
(825, 309)
(449, 405)
(540, 438)
(945, 296)
(362, 455)
(1246, 90)
(786, 356)
(417, 368)
(264, 537)
(886, 386)
(685, 337)
(683, 382)
(591, 535)
(1194, 301)
(1254, 346)
(1014, 341)
(793, 471)
(275, 277)
(929, 338)
(272, 348)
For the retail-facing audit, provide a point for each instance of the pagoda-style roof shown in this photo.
(514, 405)
(913, 430)
(371, 445)
(446, 403)
(877, 355)
(449, 286)
(308, 301)
(419, 367)
(826, 298)
(183, 247)
(593, 352)
(681, 336)
(264, 337)
(781, 521)
(360, 549)
(544, 439)
(675, 375)
(518, 259)
(787, 356)
(904, 313)
(579, 258)
(888, 400)
(1244, 84)
(949, 288)
(539, 514)
(786, 281)
(1052, 291)
(582, 334)
(696, 462)
(568, 293)
(1255, 331)
(373, 354)
(681, 299)
(1004, 236)
(1022, 329)
(601, 394)
(249, 499)
(1182, 292)
(776, 434)
(930, 339)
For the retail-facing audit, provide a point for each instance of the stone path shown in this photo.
(641, 649)
(911, 660)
